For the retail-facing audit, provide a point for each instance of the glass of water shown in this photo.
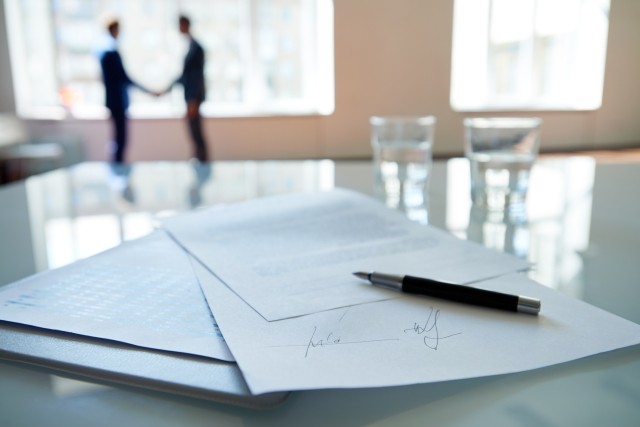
(501, 151)
(402, 162)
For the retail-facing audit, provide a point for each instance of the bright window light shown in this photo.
(263, 57)
(528, 54)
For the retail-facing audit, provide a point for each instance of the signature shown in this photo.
(331, 339)
(429, 330)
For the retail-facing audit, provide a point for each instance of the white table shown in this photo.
(583, 233)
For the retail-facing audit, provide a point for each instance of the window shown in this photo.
(528, 54)
(263, 56)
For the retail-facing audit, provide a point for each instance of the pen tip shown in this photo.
(361, 275)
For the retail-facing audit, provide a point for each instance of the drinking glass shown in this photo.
(501, 151)
(402, 154)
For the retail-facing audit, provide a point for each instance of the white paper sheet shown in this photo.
(411, 339)
(143, 292)
(293, 255)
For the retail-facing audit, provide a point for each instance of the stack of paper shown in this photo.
(277, 275)
(142, 293)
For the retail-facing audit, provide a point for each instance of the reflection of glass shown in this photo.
(551, 230)
(500, 230)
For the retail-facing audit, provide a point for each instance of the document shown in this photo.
(143, 293)
(293, 255)
(410, 339)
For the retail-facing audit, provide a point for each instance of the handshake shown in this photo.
(159, 93)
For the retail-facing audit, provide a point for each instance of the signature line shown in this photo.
(337, 343)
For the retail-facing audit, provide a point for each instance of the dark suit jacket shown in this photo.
(192, 78)
(116, 81)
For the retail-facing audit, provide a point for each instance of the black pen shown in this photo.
(453, 292)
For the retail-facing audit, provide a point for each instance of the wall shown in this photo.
(391, 57)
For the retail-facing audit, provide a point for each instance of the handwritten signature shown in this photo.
(332, 339)
(429, 330)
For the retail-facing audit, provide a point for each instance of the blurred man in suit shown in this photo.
(116, 84)
(192, 80)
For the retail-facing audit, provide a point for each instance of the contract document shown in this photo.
(293, 255)
(410, 339)
(259, 263)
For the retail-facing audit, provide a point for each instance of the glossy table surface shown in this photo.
(581, 232)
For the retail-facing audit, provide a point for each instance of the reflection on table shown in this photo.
(82, 210)
(581, 232)
(79, 211)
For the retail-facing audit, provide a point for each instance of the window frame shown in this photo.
(475, 91)
(318, 82)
